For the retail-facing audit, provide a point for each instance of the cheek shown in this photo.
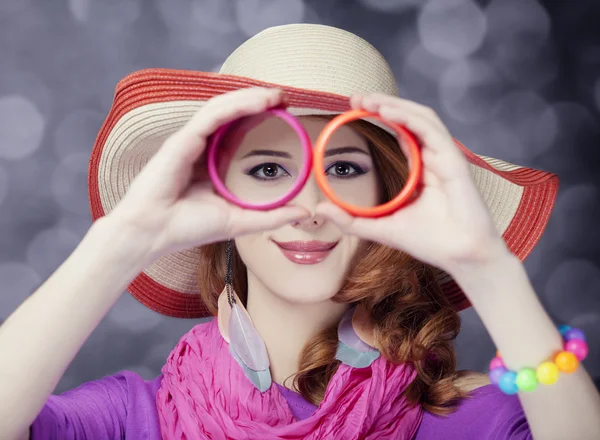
(249, 247)
(361, 191)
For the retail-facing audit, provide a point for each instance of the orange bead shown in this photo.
(498, 355)
(566, 362)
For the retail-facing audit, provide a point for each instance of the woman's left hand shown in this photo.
(448, 224)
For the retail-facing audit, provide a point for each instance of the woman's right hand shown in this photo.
(171, 204)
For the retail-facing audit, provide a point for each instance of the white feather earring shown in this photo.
(245, 344)
(354, 349)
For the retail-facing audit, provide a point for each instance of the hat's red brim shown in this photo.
(165, 85)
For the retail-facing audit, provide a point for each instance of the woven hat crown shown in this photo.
(313, 57)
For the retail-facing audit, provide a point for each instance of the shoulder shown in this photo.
(100, 408)
(471, 380)
(119, 389)
(485, 412)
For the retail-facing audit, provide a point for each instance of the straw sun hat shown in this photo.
(319, 67)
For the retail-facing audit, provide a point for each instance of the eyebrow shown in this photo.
(286, 155)
(345, 150)
(271, 153)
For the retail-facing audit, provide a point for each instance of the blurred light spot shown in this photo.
(514, 22)
(69, 183)
(576, 216)
(531, 118)
(132, 315)
(49, 249)
(452, 29)
(21, 127)
(425, 63)
(500, 140)
(573, 286)
(412, 82)
(520, 46)
(255, 15)
(390, 5)
(469, 91)
(18, 281)
(3, 184)
(77, 132)
(27, 85)
(112, 15)
(206, 25)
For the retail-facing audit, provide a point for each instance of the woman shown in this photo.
(382, 283)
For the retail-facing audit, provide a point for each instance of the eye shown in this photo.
(268, 171)
(344, 170)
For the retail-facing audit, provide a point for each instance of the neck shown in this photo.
(286, 327)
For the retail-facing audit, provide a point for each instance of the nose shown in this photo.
(308, 198)
(310, 224)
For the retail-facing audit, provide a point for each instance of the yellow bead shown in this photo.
(566, 362)
(547, 373)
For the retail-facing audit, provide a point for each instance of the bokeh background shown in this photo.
(514, 79)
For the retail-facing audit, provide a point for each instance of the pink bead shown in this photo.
(578, 347)
(496, 363)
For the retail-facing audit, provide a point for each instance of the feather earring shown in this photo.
(352, 350)
(245, 344)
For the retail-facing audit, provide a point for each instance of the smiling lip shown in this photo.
(306, 252)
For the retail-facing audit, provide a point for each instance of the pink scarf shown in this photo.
(204, 394)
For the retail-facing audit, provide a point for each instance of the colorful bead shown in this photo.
(497, 362)
(564, 329)
(547, 373)
(575, 349)
(574, 333)
(566, 361)
(526, 379)
(578, 347)
(507, 383)
(495, 374)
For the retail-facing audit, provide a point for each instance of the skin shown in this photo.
(281, 293)
(168, 208)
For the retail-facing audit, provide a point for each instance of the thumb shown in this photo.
(247, 221)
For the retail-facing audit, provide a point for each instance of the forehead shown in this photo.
(276, 131)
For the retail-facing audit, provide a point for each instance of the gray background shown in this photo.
(514, 79)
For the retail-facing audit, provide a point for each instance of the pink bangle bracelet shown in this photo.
(574, 350)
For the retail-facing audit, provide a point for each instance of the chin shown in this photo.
(307, 290)
(306, 283)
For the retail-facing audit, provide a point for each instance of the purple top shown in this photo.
(123, 406)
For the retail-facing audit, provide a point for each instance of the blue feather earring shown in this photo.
(352, 350)
(245, 344)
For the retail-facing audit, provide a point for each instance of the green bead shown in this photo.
(526, 379)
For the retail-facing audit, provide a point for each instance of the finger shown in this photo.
(247, 221)
(182, 149)
(221, 110)
(439, 141)
(348, 224)
(374, 101)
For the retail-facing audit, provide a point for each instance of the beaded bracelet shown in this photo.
(575, 349)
